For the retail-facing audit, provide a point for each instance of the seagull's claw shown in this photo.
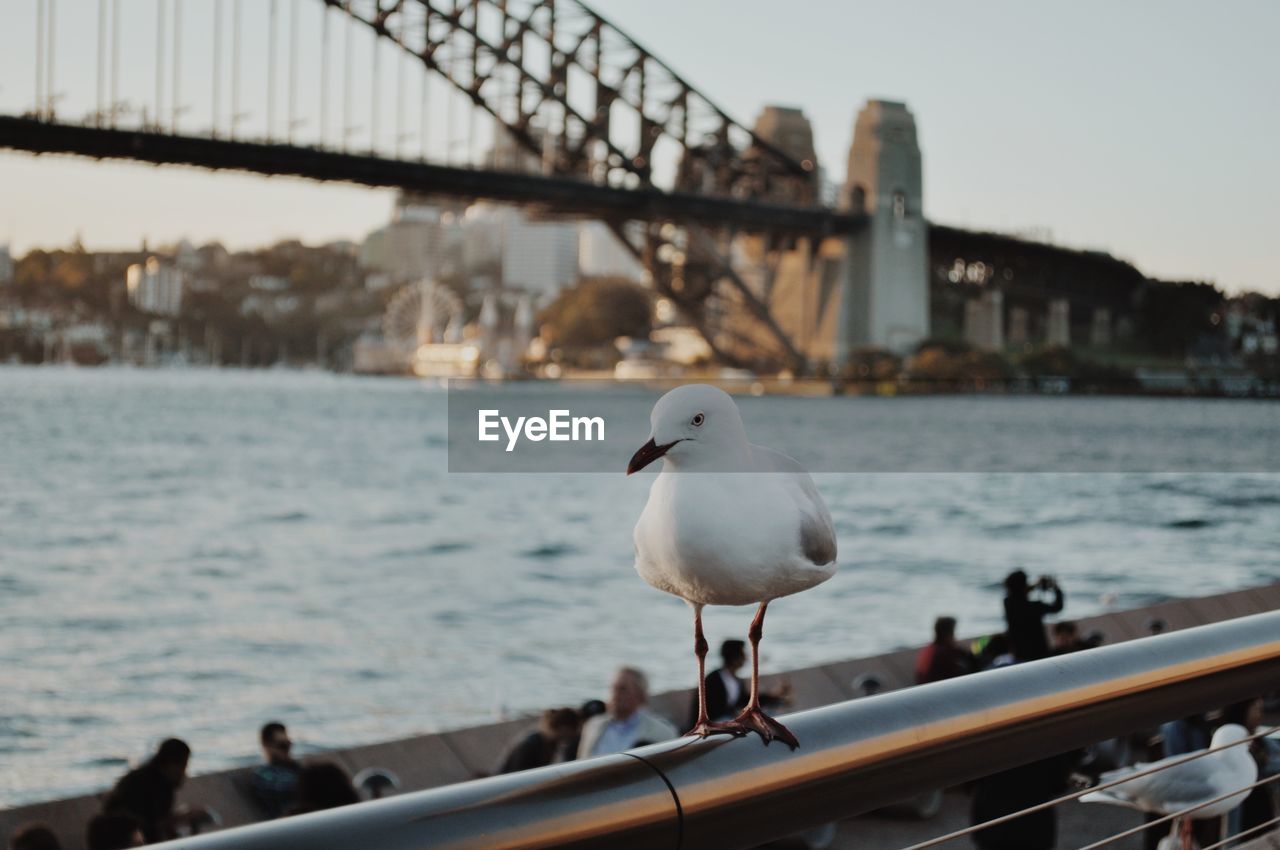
(755, 720)
(706, 728)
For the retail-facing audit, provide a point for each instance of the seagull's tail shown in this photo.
(1109, 797)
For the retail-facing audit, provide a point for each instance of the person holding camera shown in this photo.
(1024, 616)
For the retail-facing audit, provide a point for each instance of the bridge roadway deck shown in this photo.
(562, 195)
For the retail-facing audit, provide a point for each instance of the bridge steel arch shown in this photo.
(615, 133)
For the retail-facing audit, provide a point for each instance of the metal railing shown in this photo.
(854, 757)
(1188, 810)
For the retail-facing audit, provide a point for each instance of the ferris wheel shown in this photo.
(422, 313)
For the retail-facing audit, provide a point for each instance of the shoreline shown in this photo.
(799, 387)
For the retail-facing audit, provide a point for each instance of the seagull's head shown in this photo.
(1229, 733)
(694, 425)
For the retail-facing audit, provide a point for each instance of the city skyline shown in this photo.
(1141, 137)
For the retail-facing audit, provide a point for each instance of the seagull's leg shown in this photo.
(704, 727)
(753, 717)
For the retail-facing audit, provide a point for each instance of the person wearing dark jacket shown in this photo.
(727, 693)
(324, 785)
(34, 836)
(148, 793)
(1024, 616)
(1017, 789)
(943, 659)
(274, 783)
(550, 743)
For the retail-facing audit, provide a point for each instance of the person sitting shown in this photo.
(148, 793)
(943, 659)
(548, 744)
(114, 831)
(628, 722)
(1066, 638)
(324, 785)
(274, 784)
(591, 708)
(995, 653)
(34, 836)
(727, 693)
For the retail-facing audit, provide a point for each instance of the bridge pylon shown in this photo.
(885, 276)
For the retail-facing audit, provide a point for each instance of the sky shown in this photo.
(1146, 129)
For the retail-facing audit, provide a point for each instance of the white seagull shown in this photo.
(727, 523)
(1188, 784)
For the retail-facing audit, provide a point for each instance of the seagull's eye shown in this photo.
(697, 420)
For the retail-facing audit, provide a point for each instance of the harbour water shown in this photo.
(193, 553)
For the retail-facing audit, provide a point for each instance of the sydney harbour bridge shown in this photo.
(730, 222)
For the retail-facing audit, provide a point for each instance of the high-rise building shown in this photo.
(538, 256)
(421, 241)
(523, 253)
(602, 254)
(155, 287)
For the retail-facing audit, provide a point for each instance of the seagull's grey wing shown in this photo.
(1176, 789)
(1170, 789)
(817, 532)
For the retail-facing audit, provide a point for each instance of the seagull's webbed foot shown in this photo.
(755, 720)
(706, 728)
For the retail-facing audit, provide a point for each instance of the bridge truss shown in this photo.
(588, 119)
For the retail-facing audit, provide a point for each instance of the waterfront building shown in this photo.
(268, 282)
(524, 253)
(186, 257)
(420, 241)
(538, 256)
(1058, 324)
(155, 287)
(984, 321)
(1019, 333)
(602, 254)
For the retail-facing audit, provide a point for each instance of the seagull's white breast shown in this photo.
(724, 538)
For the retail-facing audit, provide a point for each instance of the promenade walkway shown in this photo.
(430, 761)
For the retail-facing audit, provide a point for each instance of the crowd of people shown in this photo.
(140, 809)
(1026, 638)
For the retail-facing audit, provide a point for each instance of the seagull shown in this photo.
(727, 523)
(1177, 787)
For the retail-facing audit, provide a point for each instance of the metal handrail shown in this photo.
(1181, 813)
(1253, 830)
(1101, 786)
(853, 757)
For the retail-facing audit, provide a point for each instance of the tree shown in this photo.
(597, 311)
(1173, 316)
